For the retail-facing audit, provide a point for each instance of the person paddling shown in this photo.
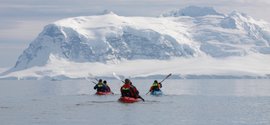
(108, 89)
(128, 90)
(136, 95)
(100, 87)
(155, 86)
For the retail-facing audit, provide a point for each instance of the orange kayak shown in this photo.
(128, 99)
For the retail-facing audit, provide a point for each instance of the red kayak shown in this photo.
(103, 93)
(128, 99)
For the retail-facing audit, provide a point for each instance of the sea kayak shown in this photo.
(157, 93)
(103, 93)
(128, 99)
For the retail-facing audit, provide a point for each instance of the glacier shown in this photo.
(189, 42)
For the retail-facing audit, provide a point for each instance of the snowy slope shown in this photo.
(108, 38)
(108, 43)
(2, 69)
(192, 11)
(252, 66)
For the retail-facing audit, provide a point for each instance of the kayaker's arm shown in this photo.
(160, 85)
(149, 90)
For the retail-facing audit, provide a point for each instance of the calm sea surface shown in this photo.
(185, 102)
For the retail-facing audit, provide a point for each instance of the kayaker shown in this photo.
(155, 86)
(128, 90)
(136, 92)
(100, 87)
(108, 89)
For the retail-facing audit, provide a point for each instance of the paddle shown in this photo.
(90, 81)
(166, 77)
(141, 98)
(162, 81)
(147, 92)
(92, 76)
(117, 77)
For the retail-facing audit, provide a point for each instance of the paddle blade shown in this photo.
(116, 76)
(141, 98)
(166, 77)
(92, 76)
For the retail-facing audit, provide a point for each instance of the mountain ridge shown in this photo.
(111, 39)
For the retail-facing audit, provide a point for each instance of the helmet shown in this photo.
(105, 82)
(127, 81)
(156, 81)
(100, 80)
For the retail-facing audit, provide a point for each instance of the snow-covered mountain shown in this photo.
(191, 33)
(107, 38)
(192, 11)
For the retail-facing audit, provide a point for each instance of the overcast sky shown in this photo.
(22, 20)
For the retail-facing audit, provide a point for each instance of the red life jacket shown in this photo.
(126, 89)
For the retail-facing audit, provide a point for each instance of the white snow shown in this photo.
(192, 11)
(2, 69)
(252, 65)
(208, 43)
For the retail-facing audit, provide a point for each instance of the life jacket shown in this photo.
(126, 87)
(127, 91)
(100, 87)
(155, 86)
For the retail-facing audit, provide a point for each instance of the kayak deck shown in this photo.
(157, 93)
(128, 99)
(103, 93)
